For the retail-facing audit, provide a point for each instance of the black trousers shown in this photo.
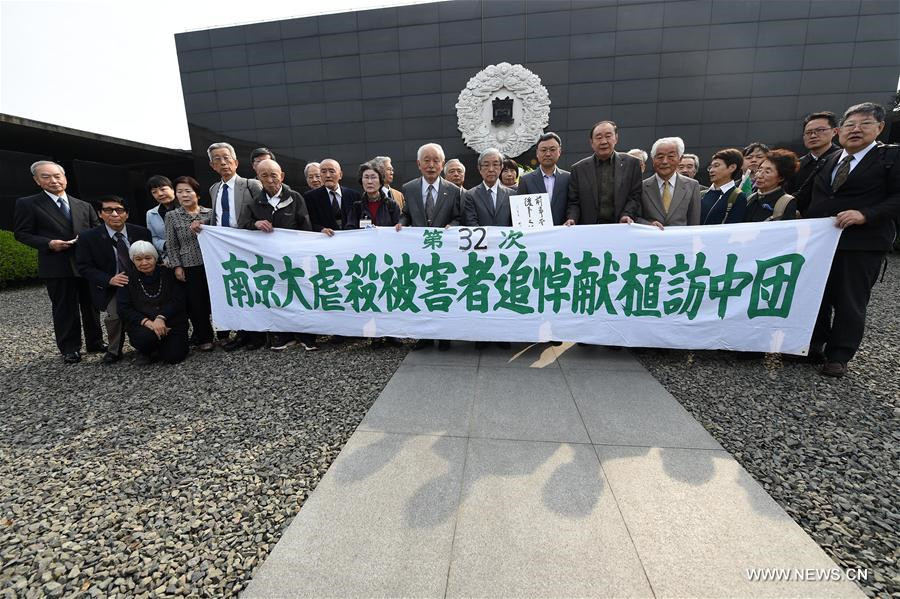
(842, 317)
(172, 348)
(72, 305)
(198, 303)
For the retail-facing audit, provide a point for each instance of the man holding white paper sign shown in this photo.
(549, 179)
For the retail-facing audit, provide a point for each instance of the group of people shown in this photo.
(150, 282)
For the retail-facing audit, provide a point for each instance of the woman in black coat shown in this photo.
(152, 306)
(374, 208)
(769, 201)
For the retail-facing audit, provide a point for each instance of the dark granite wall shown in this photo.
(716, 72)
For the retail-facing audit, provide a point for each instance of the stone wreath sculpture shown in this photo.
(526, 88)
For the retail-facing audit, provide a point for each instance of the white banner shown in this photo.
(752, 287)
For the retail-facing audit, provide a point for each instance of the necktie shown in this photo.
(666, 196)
(843, 171)
(493, 200)
(64, 207)
(335, 207)
(429, 205)
(226, 212)
(121, 252)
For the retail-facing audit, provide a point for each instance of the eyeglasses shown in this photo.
(816, 132)
(222, 159)
(863, 125)
(108, 210)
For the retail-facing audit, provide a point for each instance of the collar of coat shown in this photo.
(285, 195)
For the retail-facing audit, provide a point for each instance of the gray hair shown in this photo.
(451, 162)
(307, 167)
(638, 153)
(695, 159)
(142, 248)
(379, 163)
(436, 147)
(876, 111)
(663, 141)
(489, 152)
(35, 166)
(219, 146)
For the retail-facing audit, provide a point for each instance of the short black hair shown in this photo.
(876, 111)
(111, 199)
(756, 145)
(157, 181)
(551, 135)
(731, 156)
(509, 164)
(261, 152)
(824, 114)
(598, 123)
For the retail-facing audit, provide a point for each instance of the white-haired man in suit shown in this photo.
(229, 196)
(667, 198)
(431, 201)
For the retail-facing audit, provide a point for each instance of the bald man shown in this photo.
(277, 206)
(330, 204)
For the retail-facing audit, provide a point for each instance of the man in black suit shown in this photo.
(606, 187)
(430, 201)
(102, 258)
(50, 222)
(330, 204)
(487, 204)
(819, 130)
(861, 187)
(549, 178)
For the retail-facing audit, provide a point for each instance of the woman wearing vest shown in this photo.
(724, 203)
(769, 202)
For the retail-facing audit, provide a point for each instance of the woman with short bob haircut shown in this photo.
(724, 202)
(769, 201)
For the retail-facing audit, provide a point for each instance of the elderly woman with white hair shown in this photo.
(152, 306)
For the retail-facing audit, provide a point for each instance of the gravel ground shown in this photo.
(179, 480)
(161, 480)
(827, 450)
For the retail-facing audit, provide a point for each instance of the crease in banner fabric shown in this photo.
(745, 287)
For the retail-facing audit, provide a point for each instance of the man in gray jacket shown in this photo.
(229, 196)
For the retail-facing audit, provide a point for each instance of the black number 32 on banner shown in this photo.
(467, 241)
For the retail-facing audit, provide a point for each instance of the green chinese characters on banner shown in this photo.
(515, 280)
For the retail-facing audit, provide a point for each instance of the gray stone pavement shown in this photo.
(539, 471)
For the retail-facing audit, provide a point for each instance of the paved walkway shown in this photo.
(537, 472)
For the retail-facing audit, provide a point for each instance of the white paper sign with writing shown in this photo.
(531, 211)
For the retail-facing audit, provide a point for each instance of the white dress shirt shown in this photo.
(492, 191)
(436, 185)
(725, 188)
(273, 201)
(660, 181)
(217, 205)
(337, 193)
(857, 158)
